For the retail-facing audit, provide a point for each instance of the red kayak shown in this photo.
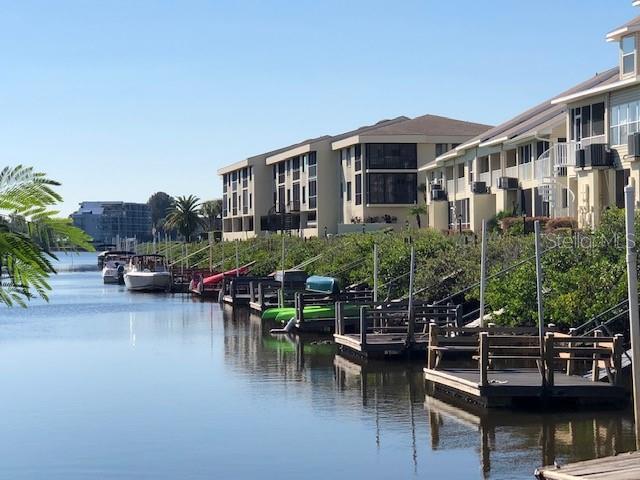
(217, 278)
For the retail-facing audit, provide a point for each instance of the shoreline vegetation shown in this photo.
(584, 271)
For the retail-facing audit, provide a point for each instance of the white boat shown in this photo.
(148, 273)
(114, 266)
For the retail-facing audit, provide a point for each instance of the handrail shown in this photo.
(602, 314)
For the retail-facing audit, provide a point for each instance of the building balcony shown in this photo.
(511, 171)
(525, 171)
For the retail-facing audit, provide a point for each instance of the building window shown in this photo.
(541, 148)
(441, 148)
(358, 155)
(296, 168)
(348, 191)
(304, 191)
(587, 121)
(624, 122)
(281, 168)
(459, 214)
(225, 206)
(313, 194)
(312, 166)
(224, 183)
(460, 170)
(628, 54)
(525, 153)
(245, 202)
(396, 156)
(296, 197)
(358, 189)
(392, 188)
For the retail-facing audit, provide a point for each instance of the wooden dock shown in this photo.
(624, 466)
(337, 301)
(534, 379)
(391, 329)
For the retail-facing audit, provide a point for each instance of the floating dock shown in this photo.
(392, 329)
(489, 386)
(624, 466)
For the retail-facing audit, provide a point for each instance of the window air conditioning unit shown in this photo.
(634, 144)
(479, 187)
(580, 158)
(438, 195)
(597, 155)
(508, 183)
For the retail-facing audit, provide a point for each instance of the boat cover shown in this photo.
(316, 283)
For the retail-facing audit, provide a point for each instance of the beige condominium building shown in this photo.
(568, 157)
(365, 178)
(378, 168)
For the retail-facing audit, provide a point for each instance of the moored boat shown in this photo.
(114, 266)
(148, 273)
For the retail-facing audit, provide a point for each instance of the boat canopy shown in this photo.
(293, 276)
(316, 283)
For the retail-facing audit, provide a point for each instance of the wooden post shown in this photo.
(410, 313)
(570, 361)
(260, 296)
(433, 344)
(549, 360)
(375, 273)
(252, 291)
(339, 319)
(300, 307)
(618, 349)
(595, 368)
(363, 326)
(632, 285)
(483, 270)
(484, 359)
(237, 260)
(539, 294)
(281, 301)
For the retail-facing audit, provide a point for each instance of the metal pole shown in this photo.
(237, 261)
(375, 273)
(281, 300)
(211, 252)
(222, 250)
(539, 295)
(634, 316)
(483, 270)
(410, 308)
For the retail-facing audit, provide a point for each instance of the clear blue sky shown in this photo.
(118, 99)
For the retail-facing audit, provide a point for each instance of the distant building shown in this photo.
(107, 221)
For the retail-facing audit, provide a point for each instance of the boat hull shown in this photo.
(148, 281)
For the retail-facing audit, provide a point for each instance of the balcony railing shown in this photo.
(525, 171)
(511, 172)
(461, 185)
(451, 186)
(486, 178)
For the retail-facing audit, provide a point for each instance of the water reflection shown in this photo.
(164, 386)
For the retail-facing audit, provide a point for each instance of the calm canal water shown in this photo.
(101, 383)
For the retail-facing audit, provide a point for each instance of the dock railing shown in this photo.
(386, 318)
(519, 344)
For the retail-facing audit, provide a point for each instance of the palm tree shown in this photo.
(209, 211)
(183, 216)
(29, 232)
(418, 210)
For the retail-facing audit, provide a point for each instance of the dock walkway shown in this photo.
(625, 466)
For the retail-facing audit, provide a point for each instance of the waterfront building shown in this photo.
(106, 222)
(361, 179)
(570, 156)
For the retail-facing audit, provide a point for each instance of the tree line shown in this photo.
(184, 215)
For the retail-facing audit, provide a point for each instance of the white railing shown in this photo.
(525, 171)
(511, 172)
(542, 166)
(461, 185)
(564, 154)
(486, 178)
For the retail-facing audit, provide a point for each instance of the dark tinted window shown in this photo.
(390, 188)
(392, 156)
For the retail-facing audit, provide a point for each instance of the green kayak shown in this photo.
(312, 312)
